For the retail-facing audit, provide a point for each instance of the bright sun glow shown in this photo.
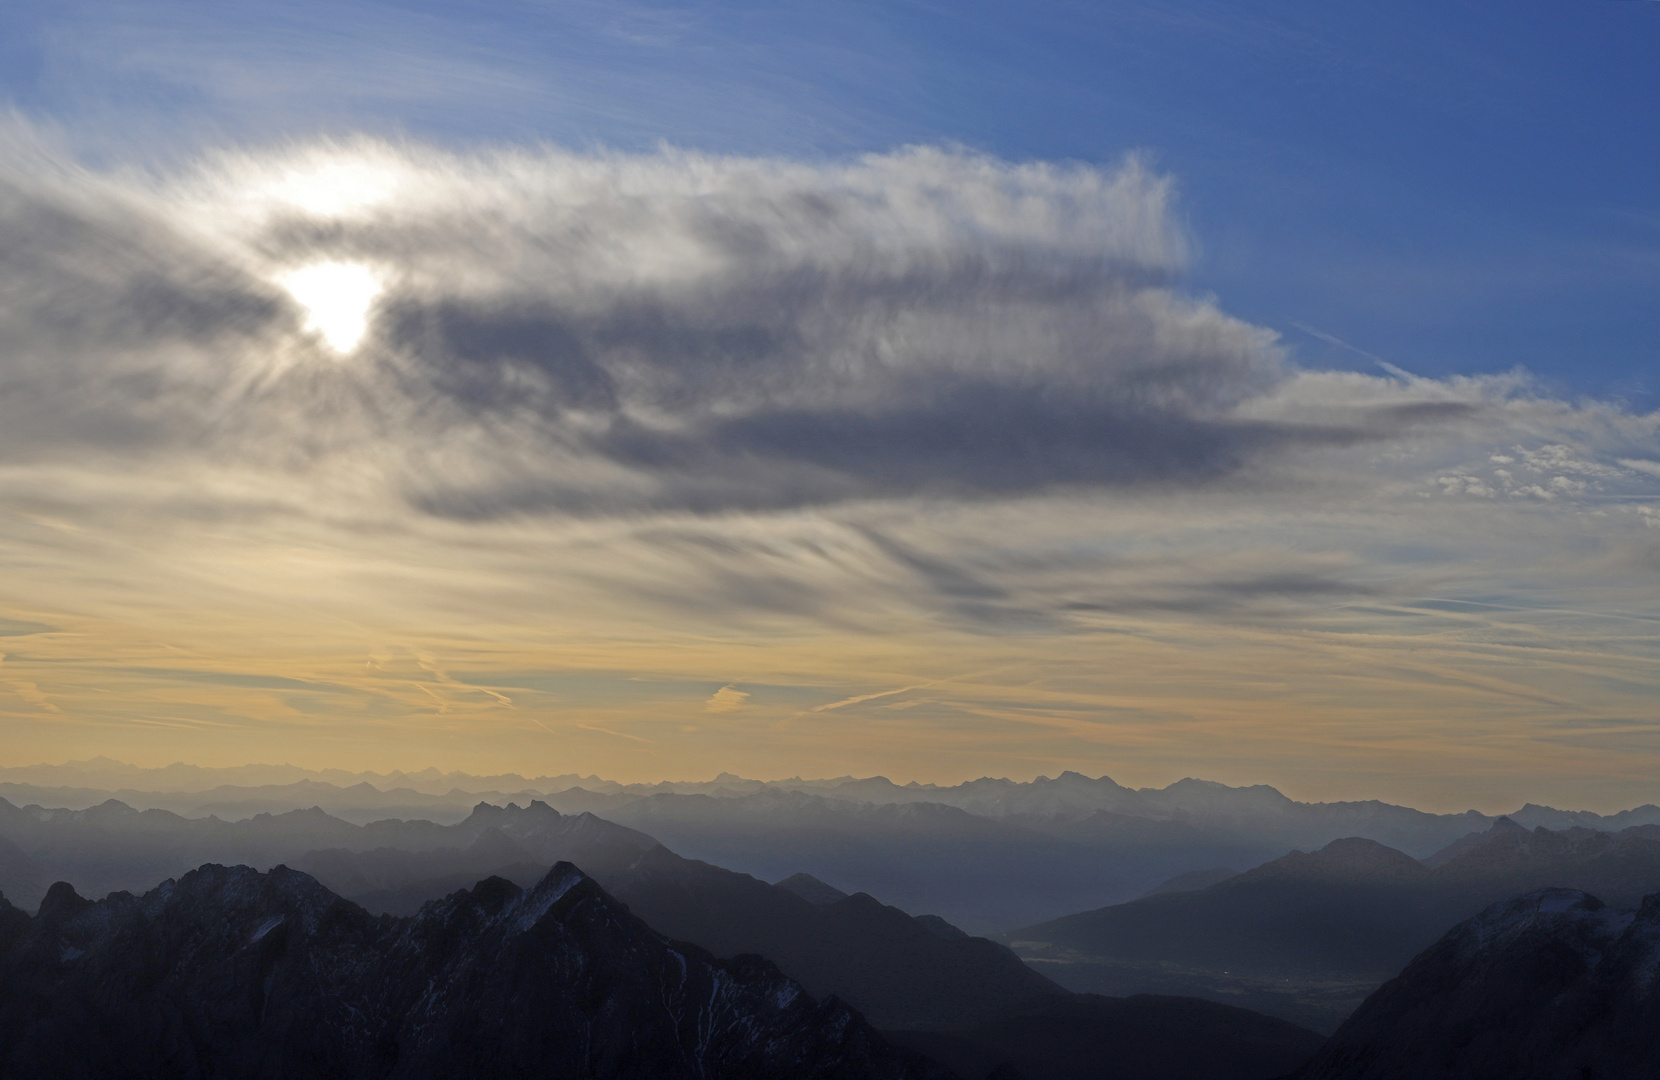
(337, 297)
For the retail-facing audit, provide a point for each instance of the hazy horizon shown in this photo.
(1490, 808)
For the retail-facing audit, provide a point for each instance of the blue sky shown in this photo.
(1452, 187)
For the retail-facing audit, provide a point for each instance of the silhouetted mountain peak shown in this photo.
(1214, 797)
(1352, 858)
(811, 889)
(62, 902)
(1072, 778)
(109, 808)
(1513, 848)
(1504, 826)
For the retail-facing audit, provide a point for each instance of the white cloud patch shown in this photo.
(726, 699)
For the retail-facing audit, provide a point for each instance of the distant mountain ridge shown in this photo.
(1068, 796)
(113, 847)
(984, 855)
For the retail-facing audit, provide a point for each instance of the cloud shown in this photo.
(600, 334)
(583, 334)
(725, 700)
(917, 419)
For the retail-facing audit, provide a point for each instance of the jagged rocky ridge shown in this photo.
(1553, 985)
(897, 970)
(229, 972)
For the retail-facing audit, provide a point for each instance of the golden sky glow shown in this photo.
(652, 467)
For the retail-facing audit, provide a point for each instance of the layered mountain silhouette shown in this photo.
(1552, 985)
(986, 855)
(991, 854)
(113, 847)
(1308, 935)
(229, 972)
(897, 970)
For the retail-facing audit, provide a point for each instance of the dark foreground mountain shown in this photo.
(1088, 1037)
(232, 973)
(1308, 936)
(1552, 985)
(897, 970)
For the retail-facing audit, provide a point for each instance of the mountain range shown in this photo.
(917, 978)
(985, 855)
(899, 971)
(113, 847)
(1308, 935)
(792, 872)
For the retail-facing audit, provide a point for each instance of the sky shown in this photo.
(1263, 393)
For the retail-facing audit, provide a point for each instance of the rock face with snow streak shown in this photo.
(1553, 985)
(232, 973)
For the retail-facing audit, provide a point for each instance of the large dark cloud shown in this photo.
(592, 334)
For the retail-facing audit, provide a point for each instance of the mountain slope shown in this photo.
(811, 889)
(1549, 985)
(897, 970)
(1355, 907)
(978, 872)
(232, 973)
(1309, 935)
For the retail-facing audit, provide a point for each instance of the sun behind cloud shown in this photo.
(337, 298)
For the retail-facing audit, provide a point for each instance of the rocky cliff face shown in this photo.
(232, 973)
(1552, 985)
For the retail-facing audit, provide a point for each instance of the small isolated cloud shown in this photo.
(725, 700)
